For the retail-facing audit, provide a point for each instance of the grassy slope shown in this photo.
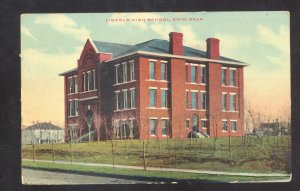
(180, 154)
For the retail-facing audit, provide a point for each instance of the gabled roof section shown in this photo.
(43, 126)
(154, 46)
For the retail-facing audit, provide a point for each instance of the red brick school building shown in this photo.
(155, 89)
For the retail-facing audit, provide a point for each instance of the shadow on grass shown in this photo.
(126, 177)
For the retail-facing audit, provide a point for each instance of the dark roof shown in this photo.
(43, 126)
(154, 45)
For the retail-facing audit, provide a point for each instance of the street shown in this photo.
(41, 177)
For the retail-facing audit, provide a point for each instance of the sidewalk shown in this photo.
(168, 169)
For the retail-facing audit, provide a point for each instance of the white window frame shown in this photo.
(94, 78)
(125, 99)
(223, 83)
(206, 123)
(117, 73)
(70, 80)
(154, 63)
(232, 83)
(83, 81)
(194, 66)
(203, 68)
(117, 100)
(234, 101)
(225, 101)
(155, 126)
(124, 65)
(201, 100)
(132, 98)
(235, 125)
(131, 65)
(166, 97)
(164, 75)
(76, 106)
(155, 95)
(166, 127)
(76, 84)
(225, 120)
(88, 80)
(196, 96)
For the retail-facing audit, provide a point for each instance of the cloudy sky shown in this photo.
(51, 44)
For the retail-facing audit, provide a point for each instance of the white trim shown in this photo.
(116, 120)
(192, 64)
(224, 67)
(164, 118)
(131, 118)
(232, 93)
(117, 91)
(123, 119)
(187, 90)
(232, 68)
(224, 120)
(163, 88)
(127, 82)
(128, 109)
(88, 91)
(164, 61)
(152, 60)
(72, 124)
(233, 120)
(131, 61)
(202, 65)
(203, 91)
(203, 119)
(163, 108)
(117, 65)
(124, 90)
(124, 63)
(187, 64)
(153, 118)
(153, 88)
(132, 88)
(153, 80)
(179, 56)
(194, 90)
(88, 98)
(187, 119)
(224, 92)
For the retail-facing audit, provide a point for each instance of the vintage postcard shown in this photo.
(135, 98)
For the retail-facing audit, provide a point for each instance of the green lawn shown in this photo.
(145, 175)
(273, 156)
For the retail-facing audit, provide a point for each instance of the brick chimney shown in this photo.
(175, 45)
(212, 48)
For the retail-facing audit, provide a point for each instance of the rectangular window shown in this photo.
(94, 79)
(117, 101)
(187, 124)
(163, 72)
(194, 100)
(224, 98)
(152, 70)
(152, 126)
(232, 77)
(117, 74)
(193, 74)
(233, 125)
(71, 110)
(223, 76)
(203, 74)
(164, 126)
(232, 102)
(87, 79)
(125, 105)
(76, 107)
(203, 100)
(76, 84)
(132, 98)
(187, 99)
(164, 98)
(125, 72)
(70, 85)
(186, 73)
(83, 82)
(224, 125)
(131, 70)
(123, 130)
(116, 129)
(204, 124)
(152, 97)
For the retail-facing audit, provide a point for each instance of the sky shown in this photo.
(52, 43)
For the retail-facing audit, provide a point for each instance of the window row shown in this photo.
(193, 99)
(154, 127)
(153, 98)
(88, 80)
(121, 72)
(192, 73)
(233, 125)
(153, 67)
(72, 108)
(72, 84)
(195, 125)
(232, 101)
(124, 129)
(125, 97)
(231, 76)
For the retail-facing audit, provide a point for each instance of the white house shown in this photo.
(42, 133)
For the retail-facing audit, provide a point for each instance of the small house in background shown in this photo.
(42, 133)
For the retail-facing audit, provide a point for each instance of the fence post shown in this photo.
(53, 154)
(33, 151)
(144, 155)
(71, 153)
